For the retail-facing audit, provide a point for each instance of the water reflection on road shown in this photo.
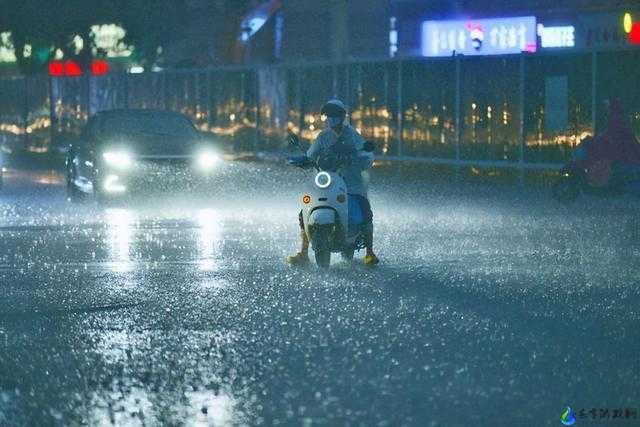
(209, 239)
(487, 307)
(137, 393)
(120, 229)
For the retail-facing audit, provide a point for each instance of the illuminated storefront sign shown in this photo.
(255, 20)
(393, 36)
(551, 37)
(71, 68)
(498, 36)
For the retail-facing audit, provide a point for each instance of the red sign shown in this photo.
(56, 69)
(634, 34)
(99, 67)
(71, 68)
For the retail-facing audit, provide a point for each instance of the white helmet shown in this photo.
(336, 113)
(334, 108)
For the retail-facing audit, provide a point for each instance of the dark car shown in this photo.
(121, 151)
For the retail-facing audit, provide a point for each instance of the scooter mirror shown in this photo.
(294, 140)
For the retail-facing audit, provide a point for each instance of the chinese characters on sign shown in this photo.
(551, 37)
(600, 31)
(479, 37)
(607, 414)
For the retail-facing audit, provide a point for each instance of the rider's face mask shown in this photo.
(334, 122)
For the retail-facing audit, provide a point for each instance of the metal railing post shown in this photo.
(521, 136)
(334, 72)
(87, 97)
(126, 90)
(594, 90)
(347, 95)
(164, 89)
(300, 101)
(196, 95)
(458, 113)
(256, 142)
(25, 111)
(400, 113)
(52, 110)
(209, 101)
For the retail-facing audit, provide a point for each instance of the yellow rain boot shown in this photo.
(298, 259)
(302, 257)
(371, 259)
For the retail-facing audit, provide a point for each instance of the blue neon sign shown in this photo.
(497, 36)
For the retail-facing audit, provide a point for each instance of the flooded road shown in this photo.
(493, 305)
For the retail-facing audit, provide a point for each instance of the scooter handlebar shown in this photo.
(300, 161)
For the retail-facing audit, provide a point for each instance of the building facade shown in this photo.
(443, 81)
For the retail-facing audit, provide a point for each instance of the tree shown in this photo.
(151, 25)
(48, 25)
(52, 24)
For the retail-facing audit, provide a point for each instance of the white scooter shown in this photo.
(332, 220)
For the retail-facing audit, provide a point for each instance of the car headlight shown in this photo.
(118, 159)
(323, 179)
(207, 160)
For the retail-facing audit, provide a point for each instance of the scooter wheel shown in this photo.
(347, 254)
(323, 258)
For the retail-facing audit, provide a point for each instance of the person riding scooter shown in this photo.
(337, 139)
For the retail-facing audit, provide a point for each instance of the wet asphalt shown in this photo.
(493, 305)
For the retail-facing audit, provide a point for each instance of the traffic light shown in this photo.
(634, 34)
(627, 22)
(632, 29)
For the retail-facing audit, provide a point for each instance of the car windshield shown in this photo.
(155, 123)
(151, 132)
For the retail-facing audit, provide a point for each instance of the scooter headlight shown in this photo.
(323, 180)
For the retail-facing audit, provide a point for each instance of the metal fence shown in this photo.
(524, 111)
